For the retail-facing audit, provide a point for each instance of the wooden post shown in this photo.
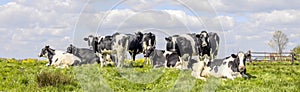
(250, 55)
(293, 56)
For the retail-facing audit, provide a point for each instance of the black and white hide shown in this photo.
(229, 67)
(59, 58)
(86, 55)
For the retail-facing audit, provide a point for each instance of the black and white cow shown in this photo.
(205, 46)
(57, 57)
(127, 42)
(162, 58)
(87, 56)
(214, 41)
(100, 45)
(119, 43)
(185, 44)
(229, 67)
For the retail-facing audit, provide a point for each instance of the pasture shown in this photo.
(33, 75)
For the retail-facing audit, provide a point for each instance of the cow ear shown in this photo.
(233, 55)
(85, 39)
(168, 38)
(198, 35)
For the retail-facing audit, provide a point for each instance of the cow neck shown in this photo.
(51, 51)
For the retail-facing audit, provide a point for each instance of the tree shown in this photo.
(279, 41)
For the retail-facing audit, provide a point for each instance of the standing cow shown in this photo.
(214, 41)
(190, 44)
(119, 43)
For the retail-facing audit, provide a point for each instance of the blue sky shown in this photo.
(28, 25)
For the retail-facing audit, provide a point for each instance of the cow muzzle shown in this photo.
(242, 68)
(204, 44)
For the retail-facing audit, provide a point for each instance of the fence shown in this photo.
(272, 56)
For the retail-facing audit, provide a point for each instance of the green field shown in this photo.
(33, 75)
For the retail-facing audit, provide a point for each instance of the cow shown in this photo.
(100, 45)
(67, 60)
(127, 42)
(56, 57)
(87, 56)
(162, 58)
(214, 41)
(149, 43)
(118, 44)
(205, 47)
(186, 44)
(229, 67)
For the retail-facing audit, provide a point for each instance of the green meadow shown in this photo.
(32, 75)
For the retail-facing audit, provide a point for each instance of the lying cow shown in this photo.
(87, 56)
(59, 58)
(230, 67)
(67, 60)
(162, 58)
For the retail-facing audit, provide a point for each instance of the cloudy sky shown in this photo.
(28, 25)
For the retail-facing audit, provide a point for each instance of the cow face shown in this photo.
(44, 52)
(92, 42)
(148, 52)
(204, 41)
(71, 49)
(170, 44)
(148, 42)
(241, 60)
(139, 36)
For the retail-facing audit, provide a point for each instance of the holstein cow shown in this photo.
(58, 58)
(162, 58)
(119, 43)
(229, 67)
(127, 42)
(185, 44)
(149, 43)
(100, 45)
(67, 60)
(205, 46)
(214, 41)
(87, 56)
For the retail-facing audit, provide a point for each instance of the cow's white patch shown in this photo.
(174, 40)
(241, 57)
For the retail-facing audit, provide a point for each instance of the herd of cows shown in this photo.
(185, 51)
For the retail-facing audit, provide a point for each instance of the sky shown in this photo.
(26, 26)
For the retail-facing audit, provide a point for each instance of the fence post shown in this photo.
(250, 55)
(293, 56)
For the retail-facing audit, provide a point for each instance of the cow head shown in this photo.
(92, 42)
(170, 44)
(204, 41)
(139, 36)
(71, 49)
(240, 60)
(46, 51)
(148, 42)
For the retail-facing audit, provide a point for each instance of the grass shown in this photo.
(33, 75)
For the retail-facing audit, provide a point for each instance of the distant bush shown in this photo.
(53, 78)
(297, 51)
